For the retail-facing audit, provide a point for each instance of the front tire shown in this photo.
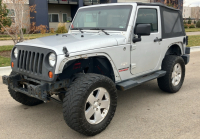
(22, 98)
(173, 79)
(90, 103)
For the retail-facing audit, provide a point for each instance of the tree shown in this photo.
(198, 24)
(4, 20)
(22, 20)
(189, 21)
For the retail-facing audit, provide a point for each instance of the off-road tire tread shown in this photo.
(75, 93)
(22, 98)
(164, 82)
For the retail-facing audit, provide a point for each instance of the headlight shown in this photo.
(16, 52)
(52, 59)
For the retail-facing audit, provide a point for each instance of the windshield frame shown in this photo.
(106, 7)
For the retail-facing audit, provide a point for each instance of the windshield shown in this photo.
(103, 17)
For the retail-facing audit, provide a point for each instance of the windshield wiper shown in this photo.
(99, 29)
(80, 29)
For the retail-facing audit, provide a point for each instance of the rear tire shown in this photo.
(173, 79)
(22, 98)
(85, 115)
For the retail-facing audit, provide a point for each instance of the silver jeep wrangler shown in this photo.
(109, 47)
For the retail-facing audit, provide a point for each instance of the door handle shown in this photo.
(157, 40)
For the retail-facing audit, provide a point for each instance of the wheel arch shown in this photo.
(98, 63)
(175, 49)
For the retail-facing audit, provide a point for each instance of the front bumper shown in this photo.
(33, 88)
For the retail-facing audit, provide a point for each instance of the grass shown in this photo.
(6, 48)
(4, 61)
(192, 29)
(194, 40)
(32, 36)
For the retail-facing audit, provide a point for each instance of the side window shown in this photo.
(148, 16)
(172, 22)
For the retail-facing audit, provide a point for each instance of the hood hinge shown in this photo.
(65, 51)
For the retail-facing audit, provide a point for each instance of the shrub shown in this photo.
(192, 26)
(185, 26)
(52, 30)
(194, 22)
(42, 29)
(61, 28)
(198, 24)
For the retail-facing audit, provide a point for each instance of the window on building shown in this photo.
(148, 16)
(53, 17)
(64, 17)
(11, 14)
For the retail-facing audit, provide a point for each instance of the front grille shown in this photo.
(30, 61)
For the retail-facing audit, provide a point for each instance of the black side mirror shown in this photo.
(142, 30)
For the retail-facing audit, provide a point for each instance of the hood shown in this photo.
(76, 42)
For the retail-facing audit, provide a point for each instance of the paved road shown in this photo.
(192, 33)
(143, 112)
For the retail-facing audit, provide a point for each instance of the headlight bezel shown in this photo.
(52, 59)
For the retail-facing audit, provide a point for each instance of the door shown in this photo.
(145, 54)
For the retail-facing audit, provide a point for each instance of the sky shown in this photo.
(191, 2)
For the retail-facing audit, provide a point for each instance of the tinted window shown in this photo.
(53, 18)
(148, 16)
(64, 17)
(172, 22)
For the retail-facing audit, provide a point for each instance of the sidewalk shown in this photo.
(8, 42)
(192, 33)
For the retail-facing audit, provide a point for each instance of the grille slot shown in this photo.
(30, 61)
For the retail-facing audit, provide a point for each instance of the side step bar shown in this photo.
(125, 85)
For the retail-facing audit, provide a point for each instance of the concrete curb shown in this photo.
(195, 49)
(7, 70)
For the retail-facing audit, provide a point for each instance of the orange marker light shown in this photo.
(50, 74)
(12, 64)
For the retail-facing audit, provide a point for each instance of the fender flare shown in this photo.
(179, 44)
(59, 67)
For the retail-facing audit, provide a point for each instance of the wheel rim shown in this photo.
(176, 74)
(97, 105)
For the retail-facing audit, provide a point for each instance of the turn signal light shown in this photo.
(12, 64)
(50, 74)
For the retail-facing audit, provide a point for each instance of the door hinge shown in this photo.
(133, 47)
(133, 65)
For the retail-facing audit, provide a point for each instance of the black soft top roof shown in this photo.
(156, 4)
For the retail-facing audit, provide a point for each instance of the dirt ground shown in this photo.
(5, 54)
